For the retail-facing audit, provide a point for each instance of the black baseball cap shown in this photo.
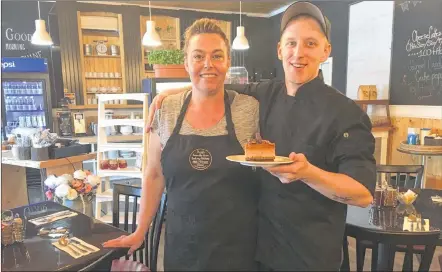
(305, 8)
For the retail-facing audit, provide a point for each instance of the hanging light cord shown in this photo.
(38, 3)
(150, 13)
(240, 4)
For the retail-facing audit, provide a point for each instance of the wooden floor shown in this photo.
(399, 258)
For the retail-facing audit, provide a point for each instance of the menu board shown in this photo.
(416, 63)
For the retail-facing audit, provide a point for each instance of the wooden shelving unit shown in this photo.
(105, 28)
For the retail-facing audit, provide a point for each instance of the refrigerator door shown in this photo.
(154, 86)
(24, 104)
(25, 94)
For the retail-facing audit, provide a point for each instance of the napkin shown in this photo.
(408, 225)
(68, 249)
(436, 199)
(52, 217)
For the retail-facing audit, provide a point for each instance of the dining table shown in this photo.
(389, 221)
(37, 252)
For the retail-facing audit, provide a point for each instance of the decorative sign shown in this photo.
(416, 64)
(24, 65)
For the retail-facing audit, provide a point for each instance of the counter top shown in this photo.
(111, 139)
(8, 159)
(107, 106)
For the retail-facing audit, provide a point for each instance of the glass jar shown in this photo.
(122, 163)
(378, 197)
(104, 164)
(390, 199)
(113, 164)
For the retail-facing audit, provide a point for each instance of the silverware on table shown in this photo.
(84, 246)
(63, 241)
(51, 217)
(80, 249)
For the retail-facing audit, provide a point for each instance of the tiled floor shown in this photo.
(399, 258)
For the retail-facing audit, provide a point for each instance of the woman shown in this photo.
(211, 220)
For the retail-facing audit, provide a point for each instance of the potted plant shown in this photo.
(168, 63)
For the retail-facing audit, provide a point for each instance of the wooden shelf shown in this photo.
(108, 106)
(99, 32)
(104, 93)
(106, 78)
(102, 56)
(382, 128)
(373, 102)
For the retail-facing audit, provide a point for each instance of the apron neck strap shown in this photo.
(227, 112)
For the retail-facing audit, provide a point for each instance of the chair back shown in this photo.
(406, 176)
(126, 265)
(152, 238)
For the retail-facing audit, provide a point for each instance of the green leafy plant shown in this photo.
(166, 57)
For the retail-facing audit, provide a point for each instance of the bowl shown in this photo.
(126, 130)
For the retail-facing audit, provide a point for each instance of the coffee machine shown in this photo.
(64, 122)
(64, 119)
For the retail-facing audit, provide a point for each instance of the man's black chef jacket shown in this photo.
(299, 228)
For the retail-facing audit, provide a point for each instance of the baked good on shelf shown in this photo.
(259, 150)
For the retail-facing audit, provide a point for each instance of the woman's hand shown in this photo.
(133, 242)
(154, 106)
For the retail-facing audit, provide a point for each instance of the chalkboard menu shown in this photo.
(416, 62)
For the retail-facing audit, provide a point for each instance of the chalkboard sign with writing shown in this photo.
(416, 62)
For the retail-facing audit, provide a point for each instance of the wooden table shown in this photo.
(14, 186)
(388, 222)
(38, 254)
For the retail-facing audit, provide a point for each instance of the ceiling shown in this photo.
(250, 7)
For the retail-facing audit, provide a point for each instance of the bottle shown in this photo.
(18, 229)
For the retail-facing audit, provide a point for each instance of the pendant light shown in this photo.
(151, 37)
(240, 42)
(40, 36)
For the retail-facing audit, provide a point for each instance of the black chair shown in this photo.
(427, 239)
(153, 236)
(102, 264)
(345, 265)
(405, 176)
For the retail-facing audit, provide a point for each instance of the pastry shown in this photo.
(259, 150)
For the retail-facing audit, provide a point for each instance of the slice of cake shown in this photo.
(259, 150)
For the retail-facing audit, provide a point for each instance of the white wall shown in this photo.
(369, 48)
(369, 55)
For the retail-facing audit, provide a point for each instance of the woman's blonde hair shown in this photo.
(204, 26)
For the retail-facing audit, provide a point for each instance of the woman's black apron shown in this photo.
(211, 220)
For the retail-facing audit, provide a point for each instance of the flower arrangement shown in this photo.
(81, 185)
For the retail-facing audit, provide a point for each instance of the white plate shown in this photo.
(242, 160)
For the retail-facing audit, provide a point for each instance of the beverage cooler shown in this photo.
(154, 86)
(26, 100)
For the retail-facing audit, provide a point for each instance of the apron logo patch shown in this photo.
(200, 159)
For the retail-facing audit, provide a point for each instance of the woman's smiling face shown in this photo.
(207, 62)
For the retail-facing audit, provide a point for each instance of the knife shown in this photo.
(81, 244)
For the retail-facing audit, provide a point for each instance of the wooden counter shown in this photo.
(109, 106)
(116, 138)
(14, 186)
(7, 159)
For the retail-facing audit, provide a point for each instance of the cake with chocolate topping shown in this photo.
(259, 150)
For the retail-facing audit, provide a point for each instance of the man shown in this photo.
(303, 205)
